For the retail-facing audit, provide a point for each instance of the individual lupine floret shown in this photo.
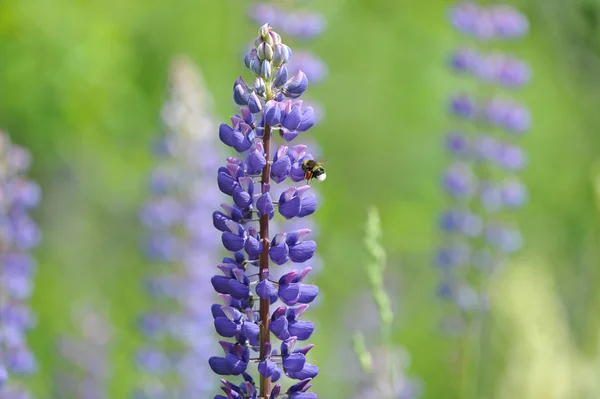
(248, 329)
(293, 362)
(286, 323)
(297, 202)
(234, 362)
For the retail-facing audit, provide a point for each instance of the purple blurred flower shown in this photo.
(18, 235)
(488, 22)
(481, 179)
(499, 68)
(179, 335)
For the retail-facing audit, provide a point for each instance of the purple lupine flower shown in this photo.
(249, 275)
(488, 23)
(85, 371)
(499, 68)
(177, 329)
(482, 178)
(18, 235)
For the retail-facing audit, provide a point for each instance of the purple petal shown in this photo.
(251, 331)
(264, 205)
(266, 368)
(281, 77)
(254, 104)
(217, 311)
(220, 284)
(238, 290)
(309, 371)
(288, 135)
(219, 365)
(308, 293)
(308, 119)
(279, 327)
(235, 365)
(219, 219)
(294, 362)
(289, 294)
(256, 162)
(308, 205)
(292, 120)
(301, 329)
(295, 86)
(275, 391)
(272, 113)
(226, 327)
(302, 252)
(279, 253)
(291, 208)
(253, 247)
(281, 168)
(265, 289)
(226, 183)
(226, 134)
(240, 95)
(241, 198)
(302, 386)
(232, 242)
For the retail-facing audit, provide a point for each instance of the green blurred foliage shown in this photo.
(81, 85)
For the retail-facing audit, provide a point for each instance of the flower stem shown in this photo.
(264, 311)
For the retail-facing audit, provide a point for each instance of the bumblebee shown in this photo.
(313, 170)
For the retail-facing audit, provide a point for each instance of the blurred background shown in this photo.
(82, 87)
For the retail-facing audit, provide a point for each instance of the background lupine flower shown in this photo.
(384, 368)
(18, 236)
(248, 276)
(86, 371)
(178, 328)
(478, 228)
(482, 176)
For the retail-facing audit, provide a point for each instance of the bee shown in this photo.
(313, 170)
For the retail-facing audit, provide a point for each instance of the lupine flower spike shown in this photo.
(260, 301)
(384, 368)
(478, 228)
(482, 178)
(18, 236)
(178, 329)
